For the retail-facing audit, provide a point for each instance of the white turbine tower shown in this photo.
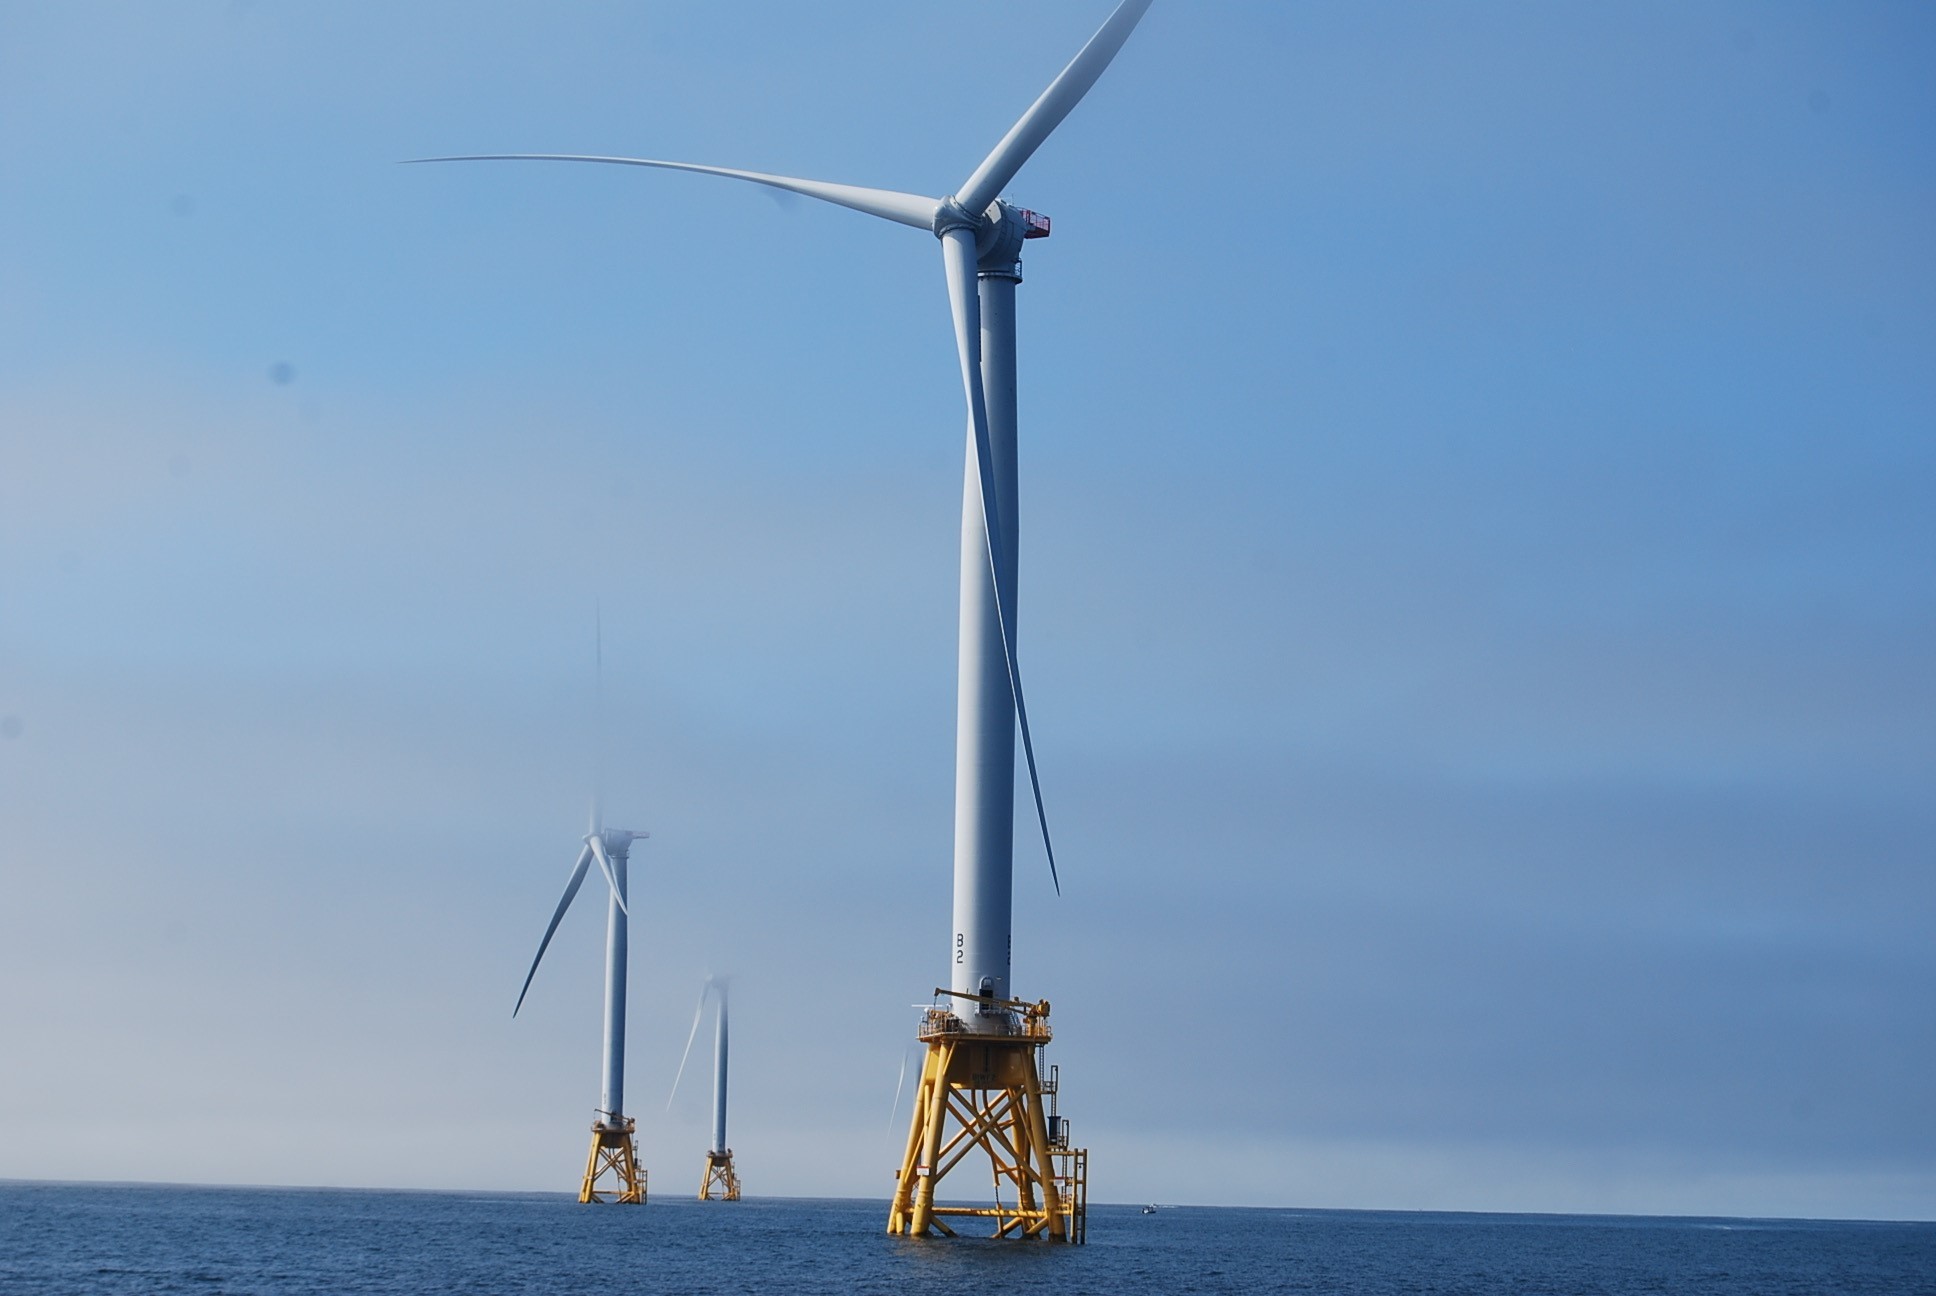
(611, 1168)
(998, 1097)
(720, 1172)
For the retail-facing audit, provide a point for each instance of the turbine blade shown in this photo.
(605, 867)
(958, 257)
(908, 209)
(1047, 112)
(698, 1011)
(598, 716)
(895, 1110)
(571, 892)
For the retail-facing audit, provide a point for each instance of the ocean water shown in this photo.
(148, 1239)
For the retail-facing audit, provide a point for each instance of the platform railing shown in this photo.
(1012, 1017)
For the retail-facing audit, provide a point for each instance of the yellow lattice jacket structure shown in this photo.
(612, 1170)
(983, 1089)
(720, 1175)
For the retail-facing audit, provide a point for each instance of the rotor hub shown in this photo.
(951, 215)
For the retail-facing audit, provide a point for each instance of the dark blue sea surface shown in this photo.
(150, 1239)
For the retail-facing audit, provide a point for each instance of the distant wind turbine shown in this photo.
(612, 1168)
(720, 1173)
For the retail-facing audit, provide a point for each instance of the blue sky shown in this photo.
(1477, 591)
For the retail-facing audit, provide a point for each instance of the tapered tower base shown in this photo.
(612, 1170)
(982, 1089)
(720, 1176)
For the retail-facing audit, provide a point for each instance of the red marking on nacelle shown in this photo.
(1034, 224)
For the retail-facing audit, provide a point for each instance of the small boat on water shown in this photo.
(1149, 1210)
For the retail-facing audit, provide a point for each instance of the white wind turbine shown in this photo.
(612, 1166)
(981, 238)
(720, 1172)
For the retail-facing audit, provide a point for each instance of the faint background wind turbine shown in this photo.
(721, 1176)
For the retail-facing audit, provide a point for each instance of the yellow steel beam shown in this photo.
(988, 1087)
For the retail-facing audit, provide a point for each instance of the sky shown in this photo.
(1477, 590)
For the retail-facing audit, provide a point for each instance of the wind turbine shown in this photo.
(612, 1167)
(720, 1173)
(999, 1101)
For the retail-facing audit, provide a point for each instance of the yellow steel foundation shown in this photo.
(983, 1090)
(720, 1175)
(612, 1171)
